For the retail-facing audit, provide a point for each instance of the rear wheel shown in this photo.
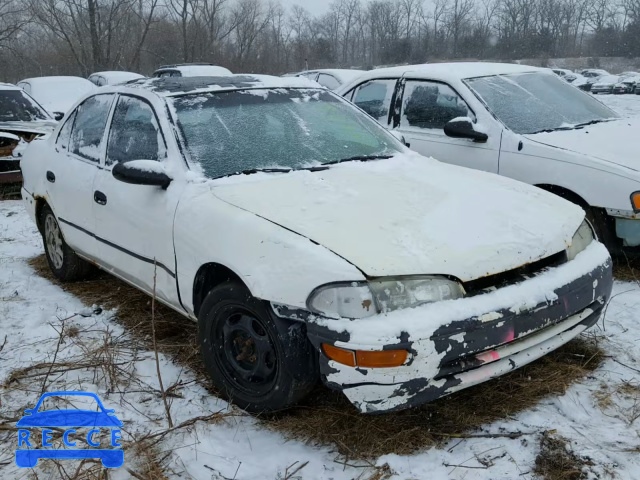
(62, 260)
(256, 360)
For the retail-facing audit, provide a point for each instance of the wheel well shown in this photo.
(566, 194)
(209, 276)
(40, 203)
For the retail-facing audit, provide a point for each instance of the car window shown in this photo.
(25, 86)
(328, 81)
(230, 132)
(431, 105)
(374, 97)
(310, 75)
(65, 132)
(18, 106)
(88, 129)
(134, 134)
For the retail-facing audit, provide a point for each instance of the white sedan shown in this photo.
(56, 94)
(521, 122)
(307, 242)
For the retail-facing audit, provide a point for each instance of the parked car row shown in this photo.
(601, 81)
(343, 255)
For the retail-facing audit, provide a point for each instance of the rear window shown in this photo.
(17, 106)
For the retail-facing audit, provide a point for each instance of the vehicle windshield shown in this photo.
(230, 132)
(538, 102)
(17, 106)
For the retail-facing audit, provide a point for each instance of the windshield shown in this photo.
(229, 132)
(17, 106)
(536, 102)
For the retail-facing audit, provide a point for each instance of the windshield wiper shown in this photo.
(359, 158)
(251, 171)
(592, 122)
(573, 127)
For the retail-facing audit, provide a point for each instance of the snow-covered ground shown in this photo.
(599, 415)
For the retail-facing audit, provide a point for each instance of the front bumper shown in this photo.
(455, 354)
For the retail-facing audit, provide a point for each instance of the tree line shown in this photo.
(77, 37)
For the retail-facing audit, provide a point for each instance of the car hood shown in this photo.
(41, 126)
(411, 215)
(608, 141)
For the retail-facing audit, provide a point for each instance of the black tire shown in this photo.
(256, 360)
(62, 260)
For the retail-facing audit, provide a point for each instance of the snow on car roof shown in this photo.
(55, 80)
(116, 74)
(451, 71)
(342, 74)
(9, 86)
(196, 70)
(172, 86)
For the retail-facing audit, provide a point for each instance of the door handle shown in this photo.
(51, 177)
(100, 198)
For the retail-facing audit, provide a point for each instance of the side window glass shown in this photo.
(88, 129)
(374, 97)
(431, 105)
(328, 81)
(65, 132)
(134, 134)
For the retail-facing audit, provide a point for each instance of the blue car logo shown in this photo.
(69, 420)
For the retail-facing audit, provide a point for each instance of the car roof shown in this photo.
(450, 71)
(343, 74)
(194, 70)
(54, 79)
(173, 86)
(9, 86)
(115, 74)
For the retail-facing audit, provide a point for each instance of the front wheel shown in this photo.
(62, 260)
(256, 360)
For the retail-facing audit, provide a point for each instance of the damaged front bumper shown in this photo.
(461, 351)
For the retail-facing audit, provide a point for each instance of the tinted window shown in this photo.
(374, 97)
(88, 129)
(134, 133)
(535, 102)
(431, 105)
(17, 106)
(328, 81)
(230, 132)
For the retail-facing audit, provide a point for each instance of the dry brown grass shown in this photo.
(626, 269)
(326, 417)
(557, 462)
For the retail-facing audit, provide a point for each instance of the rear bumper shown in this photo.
(470, 350)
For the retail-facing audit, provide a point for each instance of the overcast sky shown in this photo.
(315, 7)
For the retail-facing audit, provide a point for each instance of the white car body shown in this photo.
(331, 78)
(285, 235)
(112, 77)
(605, 84)
(56, 94)
(191, 71)
(596, 165)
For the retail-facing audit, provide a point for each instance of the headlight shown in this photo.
(360, 299)
(581, 240)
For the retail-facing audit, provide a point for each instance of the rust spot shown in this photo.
(366, 304)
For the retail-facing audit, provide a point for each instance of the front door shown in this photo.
(426, 108)
(135, 222)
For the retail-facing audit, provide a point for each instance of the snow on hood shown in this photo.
(412, 215)
(613, 141)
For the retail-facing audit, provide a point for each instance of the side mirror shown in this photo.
(463, 128)
(398, 136)
(142, 172)
(58, 115)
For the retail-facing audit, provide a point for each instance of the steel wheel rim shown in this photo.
(53, 240)
(245, 350)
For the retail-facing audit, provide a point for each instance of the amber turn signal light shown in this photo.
(635, 201)
(365, 358)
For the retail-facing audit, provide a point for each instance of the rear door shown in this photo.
(375, 97)
(135, 222)
(72, 170)
(426, 107)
